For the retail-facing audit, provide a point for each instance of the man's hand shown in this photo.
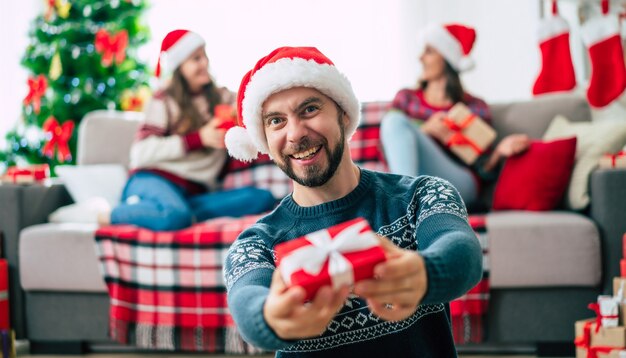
(290, 318)
(435, 127)
(399, 285)
(212, 136)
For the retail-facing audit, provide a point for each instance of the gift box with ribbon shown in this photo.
(4, 295)
(471, 135)
(597, 342)
(337, 256)
(227, 116)
(617, 160)
(29, 174)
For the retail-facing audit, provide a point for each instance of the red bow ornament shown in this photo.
(59, 136)
(36, 89)
(111, 46)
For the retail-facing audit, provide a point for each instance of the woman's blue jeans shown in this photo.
(409, 151)
(155, 203)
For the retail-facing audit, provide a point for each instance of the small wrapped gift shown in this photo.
(29, 174)
(4, 295)
(471, 137)
(607, 311)
(227, 116)
(593, 341)
(336, 256)
(617, 160)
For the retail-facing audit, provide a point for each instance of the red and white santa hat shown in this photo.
(175, 48)
(284, 68)
(454, 42)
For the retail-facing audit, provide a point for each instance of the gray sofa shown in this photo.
(545, 267)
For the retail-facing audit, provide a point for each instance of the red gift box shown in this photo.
(617, 160)
(4, 295)
(30, 174)
(336, 256)
(227, 115)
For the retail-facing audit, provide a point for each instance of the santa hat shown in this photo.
(175, 48)
(454, 42)
(284, 68)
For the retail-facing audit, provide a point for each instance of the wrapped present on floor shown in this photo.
(7, 344)
(472, 136)
(617, 160)
(594, 341)
(336, 256)
(4, 294)
(29, 174)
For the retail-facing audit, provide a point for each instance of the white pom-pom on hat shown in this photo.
(240, 144)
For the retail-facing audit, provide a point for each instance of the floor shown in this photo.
(23, 352)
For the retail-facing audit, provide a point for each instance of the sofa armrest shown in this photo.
(608, 210)
(22, 206)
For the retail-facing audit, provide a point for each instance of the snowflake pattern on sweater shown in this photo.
(252, 254)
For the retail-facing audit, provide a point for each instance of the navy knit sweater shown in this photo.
(424, 214)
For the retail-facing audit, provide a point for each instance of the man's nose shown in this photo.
(296, 130)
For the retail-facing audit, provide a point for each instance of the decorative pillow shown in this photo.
(94, 188)
(83, 212)
(536, 179)
(84, 182)
(594, 139)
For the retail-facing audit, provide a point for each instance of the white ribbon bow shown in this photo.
(311, 258)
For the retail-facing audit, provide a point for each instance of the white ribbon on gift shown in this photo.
(311, 258)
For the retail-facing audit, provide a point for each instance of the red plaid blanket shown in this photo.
(469, 310)
(167, 290)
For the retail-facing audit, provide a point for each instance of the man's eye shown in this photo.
(274, 121)
(310, 109)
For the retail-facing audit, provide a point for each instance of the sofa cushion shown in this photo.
(59, 257)
(594, 139)
(543, 249)
(536, 179)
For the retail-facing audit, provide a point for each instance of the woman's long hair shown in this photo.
(454, 87)
(190, 119)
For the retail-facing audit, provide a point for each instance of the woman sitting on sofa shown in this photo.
(179, 151)
(414, 133)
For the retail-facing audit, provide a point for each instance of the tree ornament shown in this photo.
(111, 46)
(59, 137)
(63, 8)
(135, 100)
(36, 89)
(56, 68)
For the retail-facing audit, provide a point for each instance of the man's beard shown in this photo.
(315, 176)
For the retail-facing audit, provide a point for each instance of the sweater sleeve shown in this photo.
(153, 142)
(248, 270)
(447, 243)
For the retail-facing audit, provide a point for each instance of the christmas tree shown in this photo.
(81, 57)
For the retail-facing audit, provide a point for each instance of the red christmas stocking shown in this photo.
(557, 70)
(608, 73)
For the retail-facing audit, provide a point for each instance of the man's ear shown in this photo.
(345, 118)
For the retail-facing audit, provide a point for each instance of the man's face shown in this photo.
(305, 134)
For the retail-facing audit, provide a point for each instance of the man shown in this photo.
(297, 107)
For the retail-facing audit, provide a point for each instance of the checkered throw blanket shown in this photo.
(468, 311)
(166, 288)
(167, 292)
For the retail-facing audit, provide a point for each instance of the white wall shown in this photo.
(372, 41)
(15, 18)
